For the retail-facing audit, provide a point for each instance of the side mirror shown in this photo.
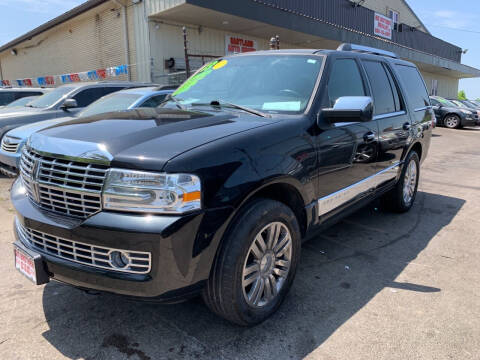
(350, 109)
(69, 104)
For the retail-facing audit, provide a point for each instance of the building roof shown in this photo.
(416, 16)
(88, 5)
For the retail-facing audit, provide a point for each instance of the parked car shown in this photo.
(13, 141)
(8, 95)
(22, 102)
(214, 191)
(451, 115)
(66, 100)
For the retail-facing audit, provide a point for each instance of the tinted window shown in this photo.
(413, 82)
(22, 94)
(383, 98)
(6, 98)
(88, 96)
(434, 102)
(154, 101)
(345, 80)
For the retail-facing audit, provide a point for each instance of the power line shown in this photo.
(457, 29)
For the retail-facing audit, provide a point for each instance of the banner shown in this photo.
(52, 80)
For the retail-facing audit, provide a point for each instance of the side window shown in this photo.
(22, 94)
(434, 102)
(6, 97)
(383, 97)
(88, 96)
(415, 86)
(154, 101)
(345, 80)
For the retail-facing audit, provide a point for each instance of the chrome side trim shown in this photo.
(385, 116)
(333, 201)
(422, 108)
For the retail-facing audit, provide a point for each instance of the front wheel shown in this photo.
(402, 196)
(452, 121)
(256, 264)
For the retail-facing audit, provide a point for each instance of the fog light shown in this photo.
(119, 259)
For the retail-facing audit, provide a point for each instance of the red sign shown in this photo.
(235, 44)
(383, 26)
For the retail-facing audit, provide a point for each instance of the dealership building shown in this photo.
(148, 36)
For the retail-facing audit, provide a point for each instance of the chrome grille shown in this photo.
(10, 144)
(139, 262)
(63, 186)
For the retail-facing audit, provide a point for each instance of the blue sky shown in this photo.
(444, 18)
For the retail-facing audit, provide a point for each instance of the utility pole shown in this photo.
(185, 48)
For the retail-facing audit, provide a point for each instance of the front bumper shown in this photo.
(182, 248)
(9, 163)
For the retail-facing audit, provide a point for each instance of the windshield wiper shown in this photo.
(176, 101)
(221, 103)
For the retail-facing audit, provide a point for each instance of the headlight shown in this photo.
(466, 112)
(139, 191)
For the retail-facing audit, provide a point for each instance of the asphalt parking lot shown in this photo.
(375, 286)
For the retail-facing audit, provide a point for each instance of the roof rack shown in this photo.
(366, 50)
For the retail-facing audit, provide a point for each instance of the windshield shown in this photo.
(458, 103)
(469, 104)
(51, 98)
(270, 83)
(22, 102)
(445, 102)
(114, 102)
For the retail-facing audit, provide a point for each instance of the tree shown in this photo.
(462, 95)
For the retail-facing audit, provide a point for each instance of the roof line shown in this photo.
(418, 18)
(88, 5)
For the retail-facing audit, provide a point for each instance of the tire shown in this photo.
(452, 121)
(402, 197)
(226, 293)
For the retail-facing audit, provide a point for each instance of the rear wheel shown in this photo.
(452, 121)
(256, 264)
(402, 196)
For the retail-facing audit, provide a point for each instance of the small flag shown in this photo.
(102, 73)
(49, 80)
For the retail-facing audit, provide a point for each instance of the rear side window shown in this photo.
(6, 98)
(383, 92)
(23, 94)
(345, 80)
(154, 101)
(415, 87)
(88, 96)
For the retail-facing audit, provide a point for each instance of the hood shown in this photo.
(144, 138)
(25, 131)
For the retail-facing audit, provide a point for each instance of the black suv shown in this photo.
(214, 191)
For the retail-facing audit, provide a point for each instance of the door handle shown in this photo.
(369, 137)
(407, 126)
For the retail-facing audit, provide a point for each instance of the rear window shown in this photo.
(415, 86)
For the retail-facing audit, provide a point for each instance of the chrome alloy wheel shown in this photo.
(451, 121)
(267, 264)
(410, 182)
